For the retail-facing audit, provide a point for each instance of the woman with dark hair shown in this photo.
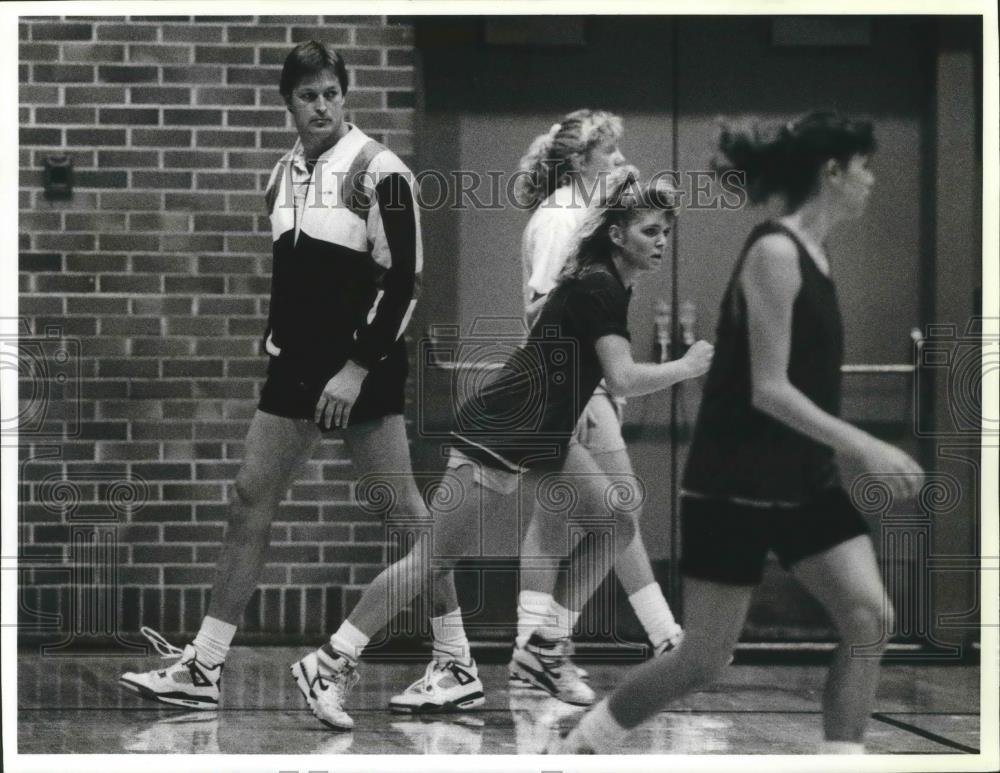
(770, 460)
(562, 172)
(521, 423)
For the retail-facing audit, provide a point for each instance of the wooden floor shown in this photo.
(73, 705)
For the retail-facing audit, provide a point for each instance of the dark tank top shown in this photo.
(740, 453)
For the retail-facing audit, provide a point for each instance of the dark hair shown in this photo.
(622, 197)
(787, 161)
(311, 58)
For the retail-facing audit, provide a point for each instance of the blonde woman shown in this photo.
(509, 429)
(562, 172)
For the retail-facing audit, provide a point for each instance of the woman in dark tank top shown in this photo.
(740, 452)
(769, 447)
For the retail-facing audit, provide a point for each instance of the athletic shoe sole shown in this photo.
(302, 682)
(466, 703)
(171, 699)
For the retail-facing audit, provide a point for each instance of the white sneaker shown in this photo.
(546, 664)
(515, 680)
(449, 686)
(188, 683)
(325, 692)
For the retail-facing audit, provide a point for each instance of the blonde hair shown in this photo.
(623, 197)
(553, 158)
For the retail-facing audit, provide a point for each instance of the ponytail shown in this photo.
(786, 160)
(553, 158)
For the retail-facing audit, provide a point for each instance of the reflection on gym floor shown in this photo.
(74, 705)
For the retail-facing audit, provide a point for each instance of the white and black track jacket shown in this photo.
(347, 261)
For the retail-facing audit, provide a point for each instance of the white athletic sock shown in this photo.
(654, 614)
(213, 640)
(561, 627)
(348, 642)
(532, 612)
(599, 730)
(450, 642)
(842, 747)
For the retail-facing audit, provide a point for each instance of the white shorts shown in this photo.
(492, 478)
(599, 429)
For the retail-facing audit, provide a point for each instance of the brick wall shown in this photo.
(142, 299)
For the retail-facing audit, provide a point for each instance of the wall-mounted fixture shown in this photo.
(663, 321)
(59, 176)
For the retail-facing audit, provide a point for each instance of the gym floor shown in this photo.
(73, 705)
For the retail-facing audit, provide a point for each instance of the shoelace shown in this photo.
(163, 648)
(424, 681)
(343, 682)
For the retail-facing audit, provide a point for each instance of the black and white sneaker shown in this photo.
(515, 680)
(188, 683)
(448, 686)
(546, 664)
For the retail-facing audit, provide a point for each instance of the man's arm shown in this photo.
(394, 225)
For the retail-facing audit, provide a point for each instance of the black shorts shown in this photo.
(726, 542)
(293, 393)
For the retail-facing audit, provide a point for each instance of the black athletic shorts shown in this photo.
(726, 542)
(292, 392)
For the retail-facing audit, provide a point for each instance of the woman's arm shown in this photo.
(770, 282)
(627, 378)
